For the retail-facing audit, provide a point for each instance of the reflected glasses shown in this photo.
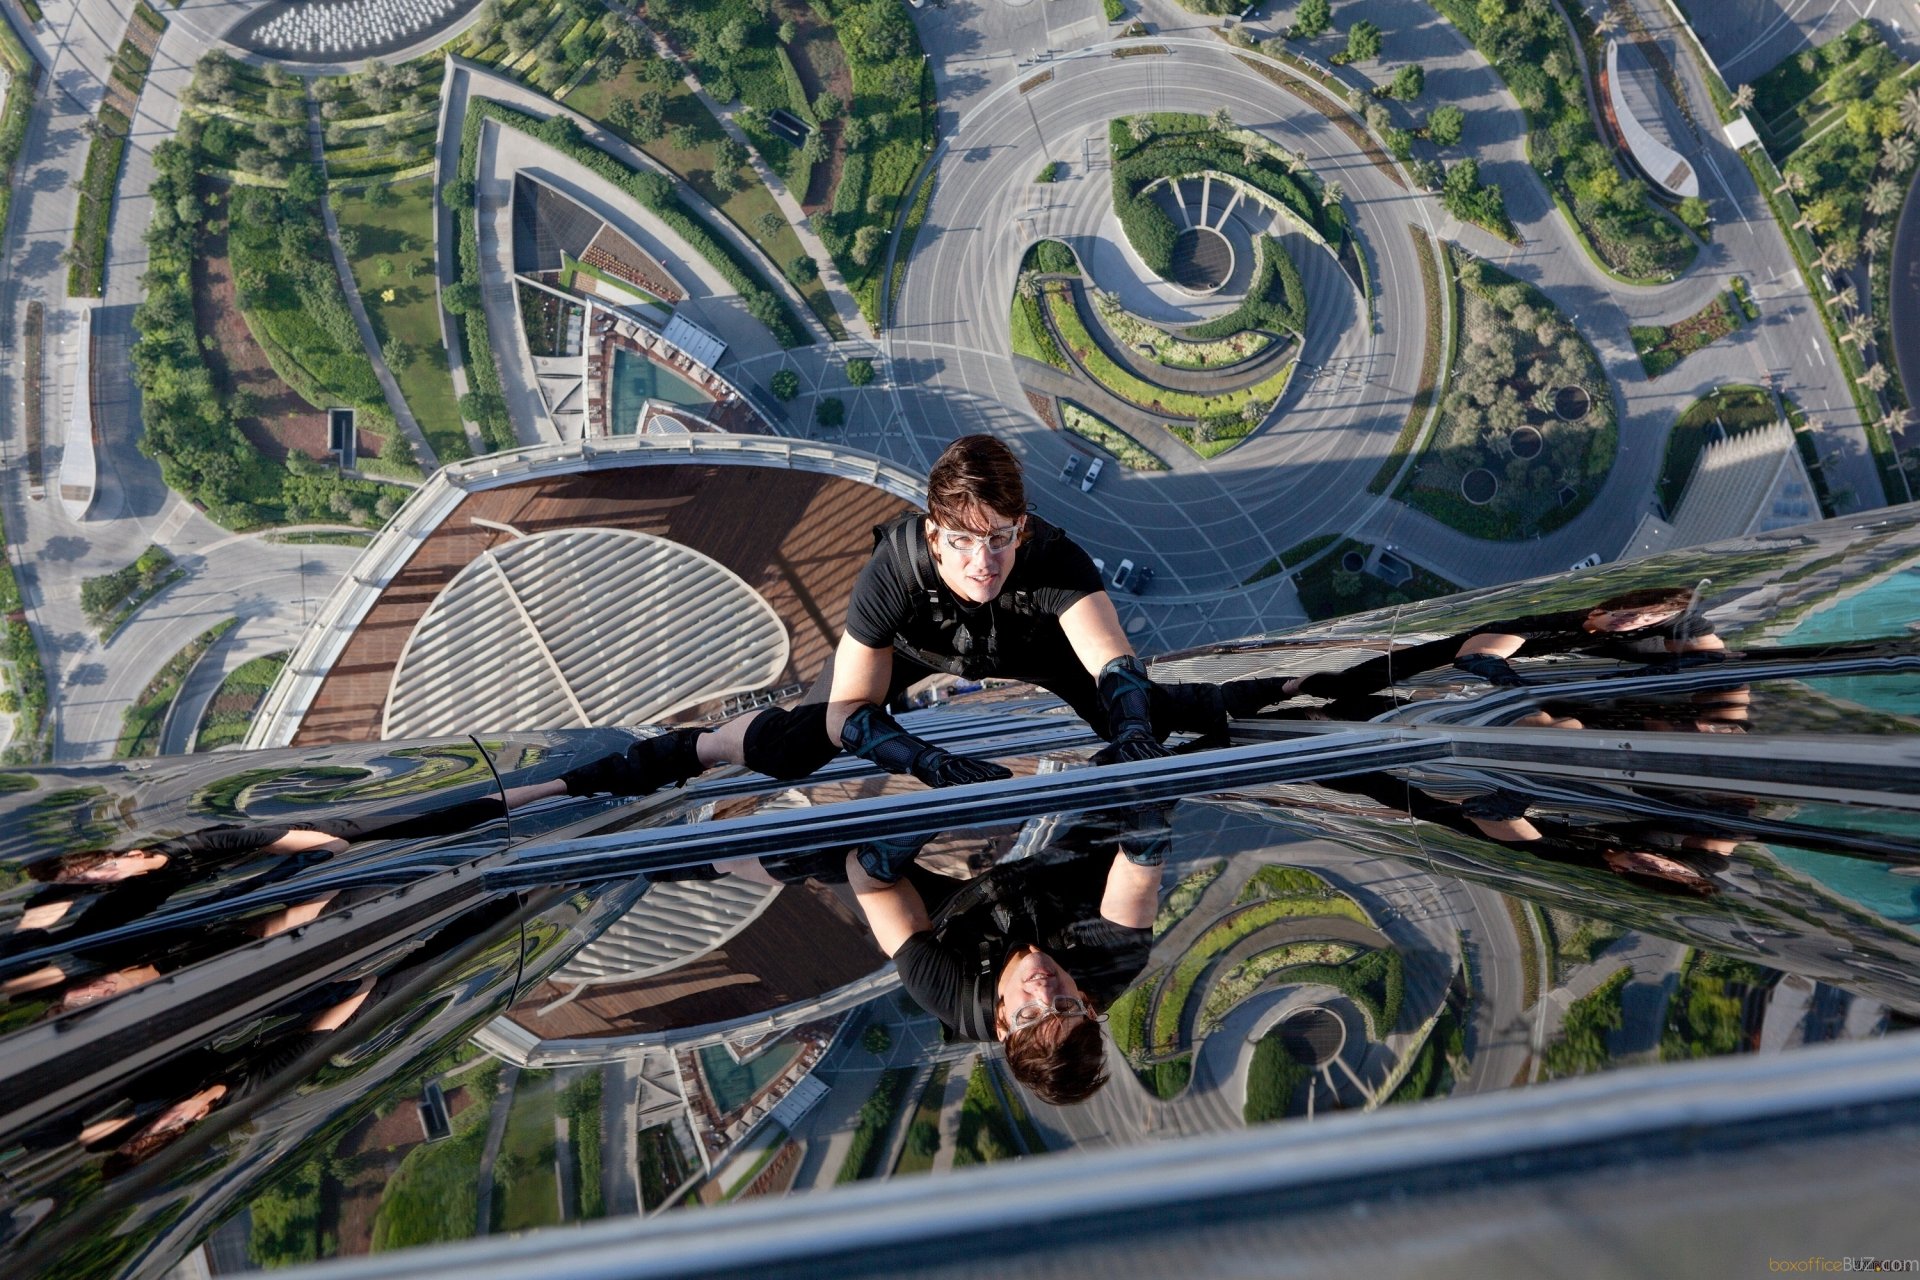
(1035, 1012)
(965, 542)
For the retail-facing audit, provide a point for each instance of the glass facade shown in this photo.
(314, 1003)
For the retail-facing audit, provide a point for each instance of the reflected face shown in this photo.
(976, 552)
(119, 866)
(1031, 976)
(1611, 620)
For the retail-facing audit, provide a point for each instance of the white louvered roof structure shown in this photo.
(581, 628)
(675, 922)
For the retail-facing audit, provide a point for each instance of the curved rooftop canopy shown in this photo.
(582, 627)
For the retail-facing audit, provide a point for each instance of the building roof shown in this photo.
(1749, 483)
(1638, 99)
(524, 637)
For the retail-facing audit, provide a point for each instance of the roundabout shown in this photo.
(1356, 363)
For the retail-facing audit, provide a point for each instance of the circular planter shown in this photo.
(1313, 1036)
(1202, 261)
(1478, 486)
(1526, 442)
(1353, 562)
(1570, 403)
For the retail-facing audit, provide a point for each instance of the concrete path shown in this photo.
(619, 1139)
(959, 1073)
(502, 1103)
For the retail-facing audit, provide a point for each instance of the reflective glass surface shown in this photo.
(307, 1004)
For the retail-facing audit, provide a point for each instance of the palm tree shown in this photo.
(1221, 119)
(1875, 378)
(1897, 153)
(1795, 182)
(1857, 331)
(1140, 128)
(1331, 194)
(1805, 224)
(1296, 161)
(1875, 241)
(1910, 110)
(1893, 422)
(1829, 258)
(1607, 23)
(1743, 97)
(1883, 197)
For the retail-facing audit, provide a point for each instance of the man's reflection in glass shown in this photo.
(1654, 622)
(1025, 955)
(1637, 851)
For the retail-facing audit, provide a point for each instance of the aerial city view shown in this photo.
(931, 621)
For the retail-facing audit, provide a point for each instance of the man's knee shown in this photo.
(789, 744)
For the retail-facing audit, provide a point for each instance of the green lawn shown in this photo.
(612, 81)
(401, 234)
(1328, 590)
(434, 1195)
(526, 1188)
(231, 709)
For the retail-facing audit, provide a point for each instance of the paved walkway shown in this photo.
(502, 1103)
(843, 304)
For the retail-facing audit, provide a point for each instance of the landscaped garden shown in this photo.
(1661, 347)
(143, 722)
(389, 227)
(641, 97)
(1532, 49)
(230, 711)
(1330, 587)
(1527, 429)
(1730, 411)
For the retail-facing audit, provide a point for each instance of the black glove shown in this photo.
(1127, 697)
(1490, 668)
(1146, 833)
(885, 860)
(872, 734)
(644, 767)
(1496, 806)
(1244, 698)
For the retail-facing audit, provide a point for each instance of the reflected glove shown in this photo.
(1244, 698)
(1148, 833)
(1496, 806)
(1496, 671)
(872, 734)
(644, 767)
(885, 860)
(1127, 697)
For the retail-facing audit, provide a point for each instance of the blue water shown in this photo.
(637, 379)
(1883, 610)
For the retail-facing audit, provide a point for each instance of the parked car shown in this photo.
(1094, 469)
(1072, 468)
(1586, 562)
(1122, 574)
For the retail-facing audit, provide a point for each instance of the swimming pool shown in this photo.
(637, 379)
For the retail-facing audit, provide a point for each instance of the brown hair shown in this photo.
(1645, 598)
(1060, 1069)
(67, 866)
(975, 471)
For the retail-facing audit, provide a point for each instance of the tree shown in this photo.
(461, 297)
(1332, 194)
(770, 224)
(734, 36)
(1793, 181)
(729, 154)
(1428, 174)
(684, 137)
(826, 105)
(866, 243)
(785, 385)
(1897, 153)
(1883, 197)
(1910, 110)
(831, 411)
(1743, 97)
(787, 31)
(860, 371)
(1221, 120)
(1139, 128)
(1875, 378)
(854, 132)
(1693, 212)
(728, 180)
(1409, 82)
(1314, 18)
(1876, 240)
(1363, 41)
(1856, 331)
(803, 270)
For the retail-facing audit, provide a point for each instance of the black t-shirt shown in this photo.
(899, 602)
(1051, 901)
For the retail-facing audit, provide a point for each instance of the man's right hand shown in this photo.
(872, 734)
(938, 767)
